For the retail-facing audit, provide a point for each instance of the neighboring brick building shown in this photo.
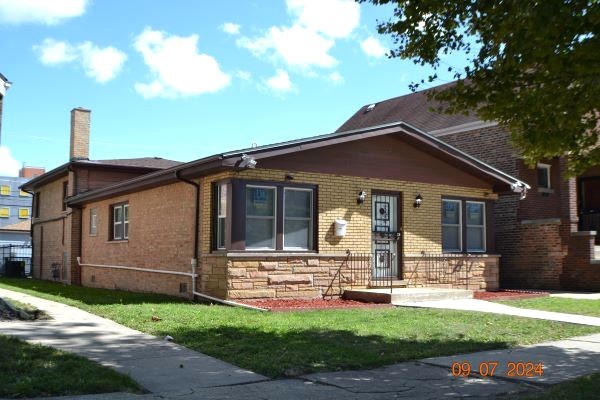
(55, 226)
(547, 239)
(294, 219)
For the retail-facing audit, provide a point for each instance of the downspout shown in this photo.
(195, 259)
(196, 227)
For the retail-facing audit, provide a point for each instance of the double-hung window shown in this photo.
(297, 219)
(120, 227)
(261, 206)
(463, 226)
(475, 221)
(257, 215)
(543, 176)
(221, 215)
(451, 226)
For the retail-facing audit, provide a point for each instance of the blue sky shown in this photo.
(185, 79)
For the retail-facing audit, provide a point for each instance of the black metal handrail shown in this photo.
(372, 270)
(15, 253)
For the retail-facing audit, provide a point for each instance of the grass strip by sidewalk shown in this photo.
(28, 370)
(294, 343)
(583, 388)
(558, 304)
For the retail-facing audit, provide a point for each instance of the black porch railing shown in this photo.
(373, 270)
(15, 260)
(452, 270)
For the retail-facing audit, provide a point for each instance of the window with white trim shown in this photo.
(543, 176)
(451, 225)
(261, 207)
(120, 226)
(475, 222)
(221, 215)
(93, 221)
(297, 219)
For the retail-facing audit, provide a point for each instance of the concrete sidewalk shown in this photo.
(156, 365)
(495, 308)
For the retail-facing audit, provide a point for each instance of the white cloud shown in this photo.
(244, 75)
(231, 28)
(47, 12)
(101, 64)
(296, 46)
(280, 82)
(372, 47)
(308, 40)
(335, 77)
(177, 68)
(333, 18)
(53, 52)
(8, 165)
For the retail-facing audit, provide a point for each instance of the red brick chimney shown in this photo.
(80, 134)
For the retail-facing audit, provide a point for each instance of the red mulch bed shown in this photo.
(311, 304)
(509, 294)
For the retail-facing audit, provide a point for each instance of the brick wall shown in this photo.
(161, 222)
(337, 200)
(532, 235)
(581, 272)
(55, 246)
(80, 134)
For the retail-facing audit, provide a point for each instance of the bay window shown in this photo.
(257, 215)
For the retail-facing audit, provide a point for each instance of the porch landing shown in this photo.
(406, 295)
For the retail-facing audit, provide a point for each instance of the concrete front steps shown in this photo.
(406, 295)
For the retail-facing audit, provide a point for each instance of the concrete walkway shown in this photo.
(156, 365)
(495, 308)
(578, 296)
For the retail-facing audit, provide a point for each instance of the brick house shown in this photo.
(56, 228)
(304, 218)
(547, 239)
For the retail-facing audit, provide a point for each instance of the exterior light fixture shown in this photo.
(362, 196)
(247, 161)
(418, 201)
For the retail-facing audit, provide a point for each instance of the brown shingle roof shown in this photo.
(144, 162)
(413, 108)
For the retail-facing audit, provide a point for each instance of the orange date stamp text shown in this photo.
(490, 368)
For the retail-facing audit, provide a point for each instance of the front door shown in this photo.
(385, 235)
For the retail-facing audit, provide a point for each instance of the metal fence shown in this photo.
(442, 269)
(372, 270)
(15, 260)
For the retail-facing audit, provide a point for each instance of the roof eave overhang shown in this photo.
(57, 172)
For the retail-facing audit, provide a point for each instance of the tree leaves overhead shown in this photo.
(534, 66)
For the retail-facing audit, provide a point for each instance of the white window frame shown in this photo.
(460, 227)
(545, 167)
(221, 215)
(274, 238)
(123, 221)
(310, 219)
(94, 222)
(7, 215)
(484, 234)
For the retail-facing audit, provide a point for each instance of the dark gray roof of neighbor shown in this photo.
(413, 108)
(144, 162)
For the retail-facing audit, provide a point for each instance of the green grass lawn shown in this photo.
(28, 370)
(292, 343)
(558, 304)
